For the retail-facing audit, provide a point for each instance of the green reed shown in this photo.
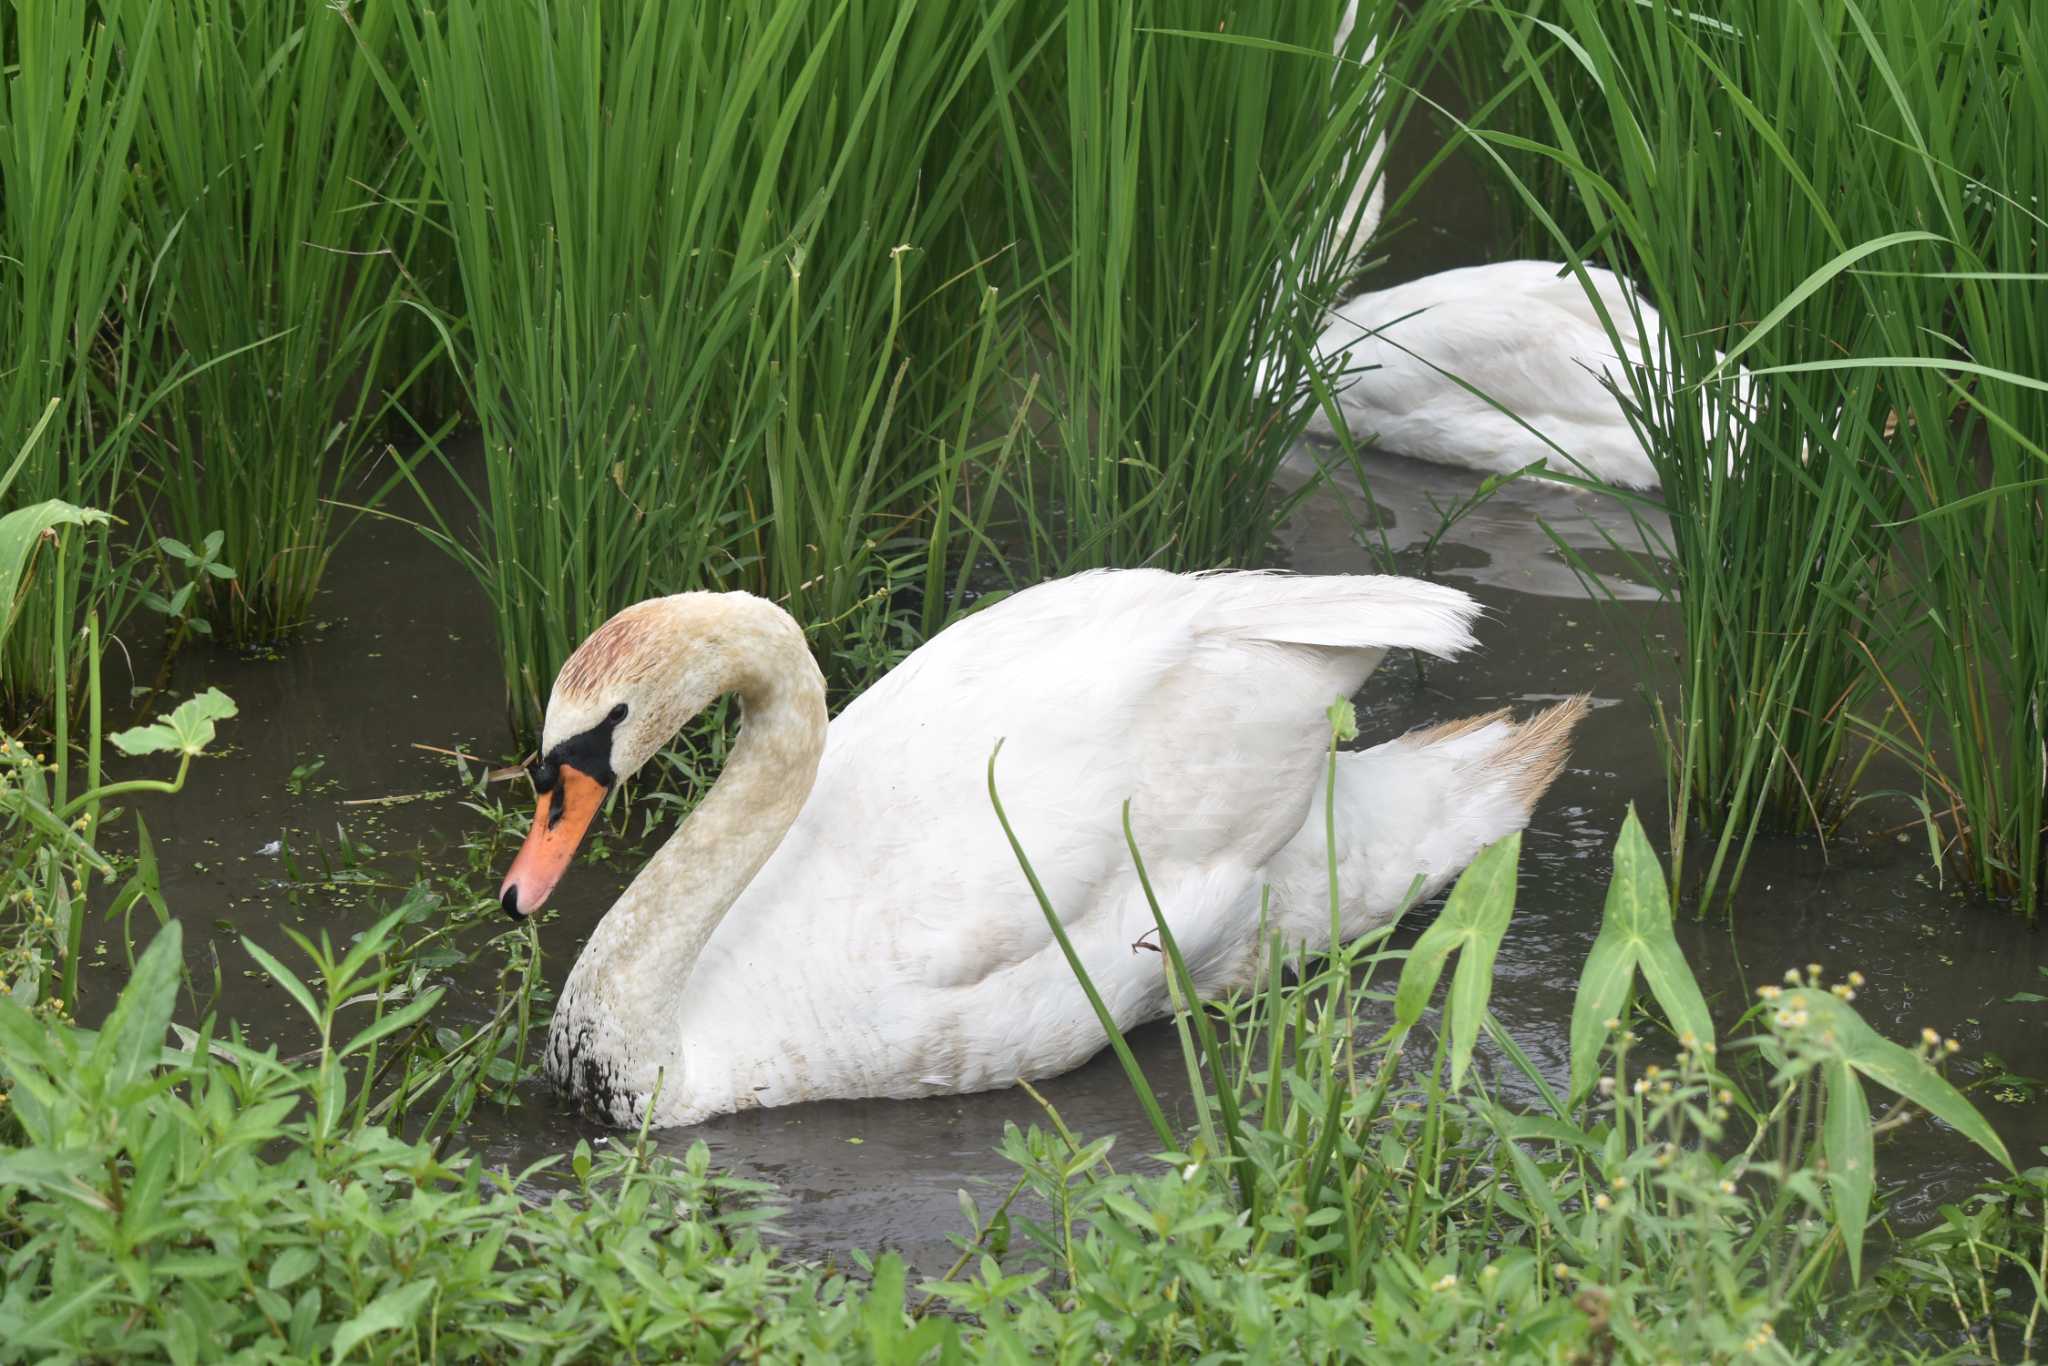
(1964, 363)
(69, 394)
(1757, 175)
(1169, 178)
(718, 308)
(274, 197)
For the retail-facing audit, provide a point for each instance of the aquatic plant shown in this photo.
(1674, 1202)
(209, 1195)
(275, 198)
(1168, 177)
(57, 809)
(1964, 363)
(69, 397)
(719, 327)
(1839, 198)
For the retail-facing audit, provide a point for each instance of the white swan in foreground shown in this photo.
(1519, 332)
(842, 916)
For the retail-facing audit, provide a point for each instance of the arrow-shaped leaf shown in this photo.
(1852, 1159)
(1472, 924)
(1483, 902)
(1834, 1025)
(1635, 933)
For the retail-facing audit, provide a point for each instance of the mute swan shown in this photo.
(1366, 200)
(842, 916)
(1519, 332)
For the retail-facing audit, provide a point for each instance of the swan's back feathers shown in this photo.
(1199, 700)
(1343, 612)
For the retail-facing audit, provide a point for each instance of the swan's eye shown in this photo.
(617, 714)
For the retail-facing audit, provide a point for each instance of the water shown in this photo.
(404, 657)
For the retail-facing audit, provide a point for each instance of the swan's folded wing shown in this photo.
(1354, 611)
(1199, 700)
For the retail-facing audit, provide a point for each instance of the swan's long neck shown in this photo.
(619, 1007)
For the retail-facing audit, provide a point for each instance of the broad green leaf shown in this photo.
(1603, 991)
(1672, 983)
(1473, 921)
(21, 531)
(1834, 1025)
(1852, 1159)
(1635, 932)
(1483, 902)
(186, 730)
(1638, 896)
(1433, 948)
(132, 1040)
(391, 1310)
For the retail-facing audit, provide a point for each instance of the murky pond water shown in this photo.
(404, 658)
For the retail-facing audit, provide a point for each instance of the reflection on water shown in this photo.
(1509, 540)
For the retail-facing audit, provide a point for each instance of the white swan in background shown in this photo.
(842, 916)
(1523, 333)
(1366, 200)
(1348, 235)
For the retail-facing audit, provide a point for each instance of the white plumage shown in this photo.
(888, 944)
(1519, 332)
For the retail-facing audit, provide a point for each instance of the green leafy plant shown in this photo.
(210, 1198)
(1656, 1211)
(202, 569)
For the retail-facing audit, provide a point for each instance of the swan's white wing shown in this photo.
(893, 924)
(1526, 338)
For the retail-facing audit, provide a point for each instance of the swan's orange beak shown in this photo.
(564, 813)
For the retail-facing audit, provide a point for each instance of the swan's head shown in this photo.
(634, 683)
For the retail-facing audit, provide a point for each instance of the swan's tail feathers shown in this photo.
(1528, 759)
(1339, 611)
(1415, 810)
